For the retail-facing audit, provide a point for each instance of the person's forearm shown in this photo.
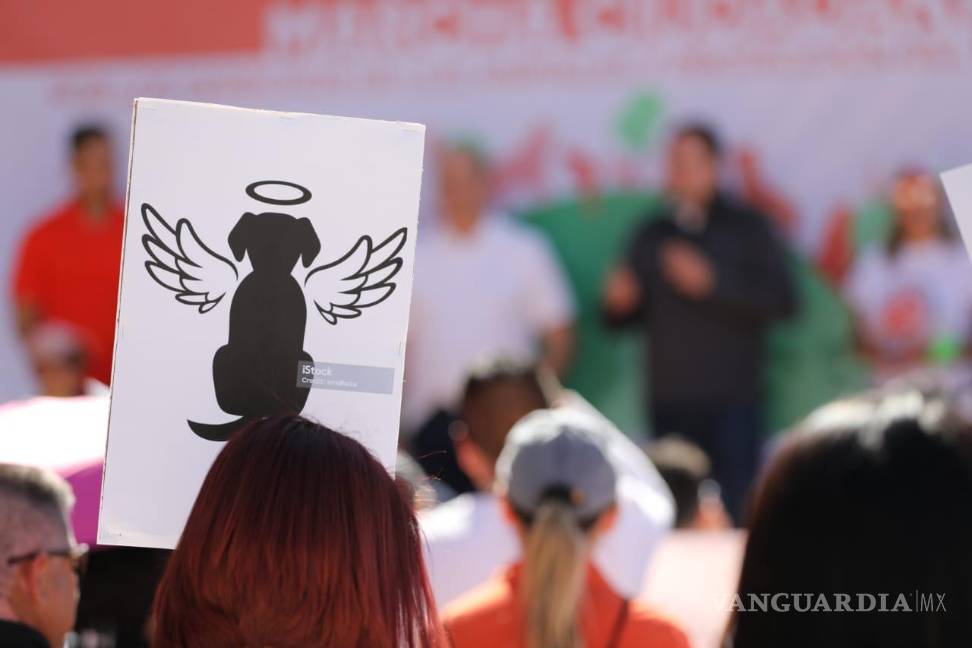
(623, 300)
(558, 348)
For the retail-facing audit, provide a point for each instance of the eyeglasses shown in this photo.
(78, 555)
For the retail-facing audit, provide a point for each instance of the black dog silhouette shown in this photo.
(255, 373)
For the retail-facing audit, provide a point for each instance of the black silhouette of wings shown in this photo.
(182, 263)
(359, 279)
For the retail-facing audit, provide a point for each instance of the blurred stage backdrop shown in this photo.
(820, 101)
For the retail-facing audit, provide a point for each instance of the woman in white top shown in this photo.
(911, 296)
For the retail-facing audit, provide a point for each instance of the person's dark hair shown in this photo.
(703, 132)
(497, 370)
(684, 466)
(947, 229)
(85, 133)
(869, 496)
(298, 537)
(494, 372)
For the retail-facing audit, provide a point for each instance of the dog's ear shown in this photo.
(240, 235)
(309, 245)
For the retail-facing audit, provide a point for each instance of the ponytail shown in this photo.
(555, 569)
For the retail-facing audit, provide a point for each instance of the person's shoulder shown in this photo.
(656, 218)
(14, 633)
(648, 626)
(510, 230)
(518, 240)
(481, 606)
(494, 594)
(53, 222)
(462, 516)
(652, 225)
(743, 211)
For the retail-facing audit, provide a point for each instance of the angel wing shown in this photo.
(182, 263)
(359, 279)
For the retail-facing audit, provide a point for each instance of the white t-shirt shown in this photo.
(908, 300)
(468, 539)
(493, 292)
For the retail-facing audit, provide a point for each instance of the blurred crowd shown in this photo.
(521, 515)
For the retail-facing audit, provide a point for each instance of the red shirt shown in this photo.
(68, 270)
(493, 615)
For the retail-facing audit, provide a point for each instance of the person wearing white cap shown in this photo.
(467, 540)
(559, 492)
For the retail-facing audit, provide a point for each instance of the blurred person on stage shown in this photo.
(912, 304)
(298, 537)
(68, 264)
(466, 538)
(559, 493)
(861, 529)
(484, 286)
(705, 279)
(40, 562)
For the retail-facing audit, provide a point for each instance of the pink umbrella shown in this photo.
(68, 436)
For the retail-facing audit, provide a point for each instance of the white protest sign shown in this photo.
(267, 269)
(958, 186)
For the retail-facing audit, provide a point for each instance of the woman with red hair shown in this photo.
(298, 537)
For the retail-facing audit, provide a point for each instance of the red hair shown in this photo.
(298, 537)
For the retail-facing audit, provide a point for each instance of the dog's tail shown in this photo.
(220, 431)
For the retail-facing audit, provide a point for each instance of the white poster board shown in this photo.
(958, 186)
(267, 268)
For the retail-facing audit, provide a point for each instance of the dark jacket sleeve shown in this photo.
(760, 286)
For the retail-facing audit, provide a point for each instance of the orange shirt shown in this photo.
(492, 615)
(68, 271)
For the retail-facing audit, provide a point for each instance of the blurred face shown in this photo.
(917, 207)
(92, 170)
(44, 592)
(463, 184)
(60, 378)
(692, 170)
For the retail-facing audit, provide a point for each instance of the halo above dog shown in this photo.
(251, 191)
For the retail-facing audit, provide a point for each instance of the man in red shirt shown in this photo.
(68, 265)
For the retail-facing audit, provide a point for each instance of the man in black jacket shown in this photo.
(705, 279)
(39, 560)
